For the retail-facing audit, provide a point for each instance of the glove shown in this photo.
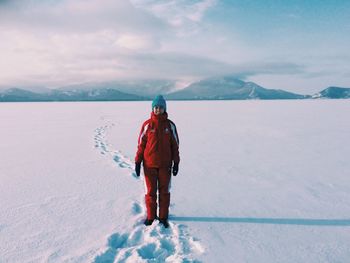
(138, 169)
(175, 169)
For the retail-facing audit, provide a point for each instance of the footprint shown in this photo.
(106, 257)
(135, 238)
(117, 241)
(147, 251)
(134, 175)
(136, 209)
(121, 160)
(123, 165)
(168, 245)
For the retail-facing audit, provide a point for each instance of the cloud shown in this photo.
(137, 42)
(184, 16)
(62, 42)
(55, 38)
(105, 55)
(78, 16)
(180, 9)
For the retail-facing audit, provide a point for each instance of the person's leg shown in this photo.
(164, 177)
(151, 175)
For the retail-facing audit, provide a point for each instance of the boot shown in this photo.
(164, 222)
(148, 222)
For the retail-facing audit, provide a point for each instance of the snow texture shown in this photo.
(259, 181)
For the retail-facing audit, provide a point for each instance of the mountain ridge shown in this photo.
(21, 95)
(213, 88)
(230, 88)
(333, 93)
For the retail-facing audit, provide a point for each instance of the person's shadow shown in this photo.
(274, 221)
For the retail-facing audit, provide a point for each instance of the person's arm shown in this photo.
(142, 141)
(175, 148)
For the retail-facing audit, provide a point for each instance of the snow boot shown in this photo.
(148, 222)
(164, 222)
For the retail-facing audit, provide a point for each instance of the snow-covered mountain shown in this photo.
(230, 88)
(215, 88)
(143, 88)
(105, 91)
(102, 94)
(333, 93)
(16, 94)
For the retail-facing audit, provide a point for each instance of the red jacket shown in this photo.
(158, 144)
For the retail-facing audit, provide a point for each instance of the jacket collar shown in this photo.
(159, 118)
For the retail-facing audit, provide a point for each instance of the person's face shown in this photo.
(158, 110)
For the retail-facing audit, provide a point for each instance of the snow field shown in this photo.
(259, 181)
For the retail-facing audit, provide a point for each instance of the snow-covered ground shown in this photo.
(259, 181)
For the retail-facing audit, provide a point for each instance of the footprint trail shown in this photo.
(106, 149)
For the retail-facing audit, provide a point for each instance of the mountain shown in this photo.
(102, 94)
(215, 88)
(229, 88)
(333, 93)
(143, 88)
(104, 91)
(20, 95)
(16, 94)
(147, 88)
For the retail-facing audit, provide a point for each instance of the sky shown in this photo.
(299, 46)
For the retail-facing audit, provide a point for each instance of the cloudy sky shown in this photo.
(297, 45)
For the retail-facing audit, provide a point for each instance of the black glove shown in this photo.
(137, 168)
(175, 169)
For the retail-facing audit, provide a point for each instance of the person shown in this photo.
(158, 150)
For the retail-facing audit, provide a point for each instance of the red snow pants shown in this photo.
(157, 179)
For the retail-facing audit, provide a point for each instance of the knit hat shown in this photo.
(159, 101)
